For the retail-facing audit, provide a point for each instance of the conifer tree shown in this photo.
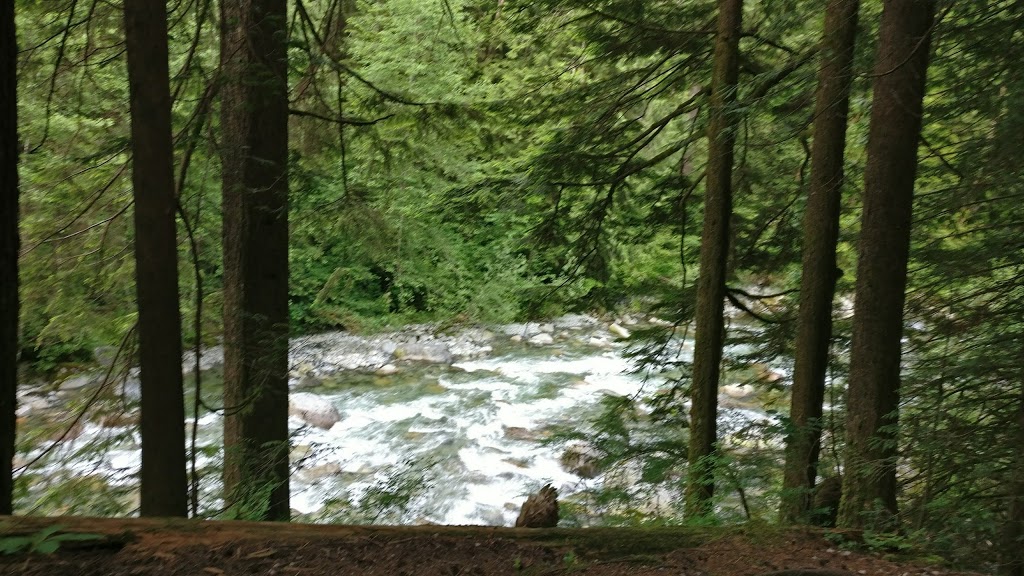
(818, 281)
(164, 485)
(895, 130)
(714, 252)
(254, 158)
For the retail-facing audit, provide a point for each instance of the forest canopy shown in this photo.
(833, 187)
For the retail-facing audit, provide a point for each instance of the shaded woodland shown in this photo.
(831, 187)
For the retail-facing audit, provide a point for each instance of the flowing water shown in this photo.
(459, 443)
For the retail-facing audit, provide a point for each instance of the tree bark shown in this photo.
(9, 246)
(818, 281)
(869, 475)
(254, 155)
(164, 483)
(714, 251)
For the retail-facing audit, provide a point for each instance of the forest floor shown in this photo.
(135, 547)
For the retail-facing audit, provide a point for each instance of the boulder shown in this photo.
(520, 433)
(320, 471)
(313, 409)
(738, 391)
(575, 322)
(81, 381)
(432, 351)
(619, 331)
(581, 460)
(540, 509)
(542, 339)
(386, 370)
(766, 374)
(522, 330)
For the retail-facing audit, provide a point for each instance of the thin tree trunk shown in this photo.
(714, 251)
(873, 394)
(164, 482)
(818, 281)
(8, 253)
(254, 155)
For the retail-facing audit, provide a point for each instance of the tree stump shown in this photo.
(540, 509)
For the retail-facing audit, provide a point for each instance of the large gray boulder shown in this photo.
(313, 409)
(432, 351)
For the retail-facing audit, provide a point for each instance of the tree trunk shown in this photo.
(164, 483)
(714, 250)
(873, 396)
(254, 155)
(8, 253)
(818, 281)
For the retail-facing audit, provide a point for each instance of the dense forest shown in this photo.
(821, 202)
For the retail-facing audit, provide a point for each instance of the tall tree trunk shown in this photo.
(8, 253)
(254, 155)
(714, 250)
(873, 394)
(818, 281)
(164, 482)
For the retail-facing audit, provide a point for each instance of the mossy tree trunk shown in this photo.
(254, 156)
(164, 485)
(714, 251)
(9, 246)
(818, 280)
(869, 479)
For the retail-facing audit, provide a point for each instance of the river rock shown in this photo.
(520, 433)
(542, 339)
(81, 381)
(33, 404)
(433, 351)
(765, 373)
(619, 331)
(320, 471)
(313, 409)
(471, 343)
(581, 460)
(738, 391)
(575, 322)
(209, 358)
(490, 515)
(308, 380)
(386, 370)
(524, 331)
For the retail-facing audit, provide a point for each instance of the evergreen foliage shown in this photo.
(472, 161)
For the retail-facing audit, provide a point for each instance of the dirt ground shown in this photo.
(135, 547)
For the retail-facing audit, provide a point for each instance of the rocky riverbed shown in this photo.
(411, 426)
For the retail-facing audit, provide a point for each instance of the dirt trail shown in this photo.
(134, 547)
